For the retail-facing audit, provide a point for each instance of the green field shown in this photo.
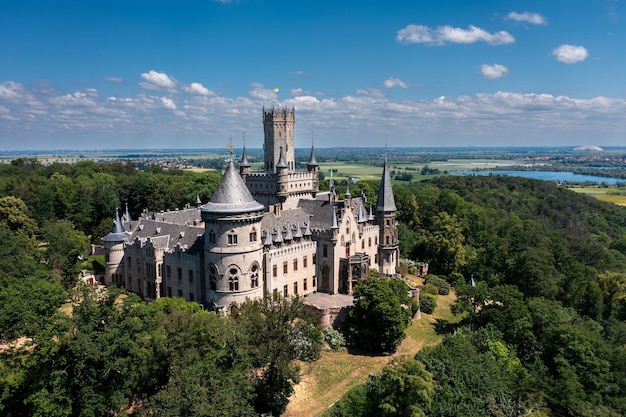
(611, 195)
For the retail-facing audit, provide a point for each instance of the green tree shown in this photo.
(379, 317)
(66, 246)
(444, 244)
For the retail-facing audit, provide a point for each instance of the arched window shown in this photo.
(233, 279)
(254, 276)
(212, 277)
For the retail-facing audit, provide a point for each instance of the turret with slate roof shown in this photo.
(233, 248)
(388, 248)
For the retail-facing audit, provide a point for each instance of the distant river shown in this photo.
(545, 175)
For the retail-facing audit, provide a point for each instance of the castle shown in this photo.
(262, 233)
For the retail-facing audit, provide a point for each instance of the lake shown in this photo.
(545, 175)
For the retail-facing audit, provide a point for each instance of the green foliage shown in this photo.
(275, 335)
(430, 289)
(380, 315)
(443, 287)
(334, 338)
(428, 302)
(66, 246)
(403, 388)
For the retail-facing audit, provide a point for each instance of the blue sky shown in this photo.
(191, 74)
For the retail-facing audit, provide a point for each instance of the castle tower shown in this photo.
(114, 253)
(314, 168)
(278, 128)
(233, 249)
(388, 249)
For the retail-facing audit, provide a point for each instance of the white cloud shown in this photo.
(527, 17)
(10, 90)
(260, 92)
(168, 103)
(491, 72)
(392, 82)
(570, 54)
(197, 89)
(117, 80)
(448, 34)
(157, 81)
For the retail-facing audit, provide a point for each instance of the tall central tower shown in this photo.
(278, 127)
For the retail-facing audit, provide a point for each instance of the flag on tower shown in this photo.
(276, 89)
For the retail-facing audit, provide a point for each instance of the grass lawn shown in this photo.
(325, 381)
(611, 195)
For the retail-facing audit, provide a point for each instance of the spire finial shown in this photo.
(230, 146)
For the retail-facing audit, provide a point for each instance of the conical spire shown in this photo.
(118, 227)
(268, 238)
(386, 201)
(288, 234)
(198, 201)
(307, 231)
(279, 236)
(347, 189)
(312, 161)
(298, 233)
(334, 223)
(127, 217)
(371, 216)
(244, 159)
(231, 195)
(281, 160)
(361, 214)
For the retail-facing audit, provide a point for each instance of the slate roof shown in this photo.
(244, 159)
(312, 161)
(231, 195)
(164, 235)
(386, 201)
(189, 216)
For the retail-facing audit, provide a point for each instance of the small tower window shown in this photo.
(233, 279)
(232, 239)
(254, 276)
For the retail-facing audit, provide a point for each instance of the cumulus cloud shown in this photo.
(527, 17)
(168, 103)
(157, 81)
(392, 82)
(448, 34)
(117, 80)
(491, 72)
(361, 118)
(570, 54)
(197, 89)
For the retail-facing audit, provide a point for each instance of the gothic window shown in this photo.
(233, 279)
(212, 277)
(254, 276)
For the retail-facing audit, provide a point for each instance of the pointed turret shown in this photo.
(281, 160)
(298, 232)
(244, 164)
(231, 195)
(388, 248)
(268, 238)
(288, 233)
(198, 201)
(118, 227)
(312, 164)
(386, 202)
(127, 217)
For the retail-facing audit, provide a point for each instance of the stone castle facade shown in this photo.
(262, 233)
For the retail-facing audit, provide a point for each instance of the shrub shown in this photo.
(428, 302)
(334, 339)
(443, 287)
(430, 289)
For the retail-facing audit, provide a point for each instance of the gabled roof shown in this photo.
(386, 201)
(231, 195)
